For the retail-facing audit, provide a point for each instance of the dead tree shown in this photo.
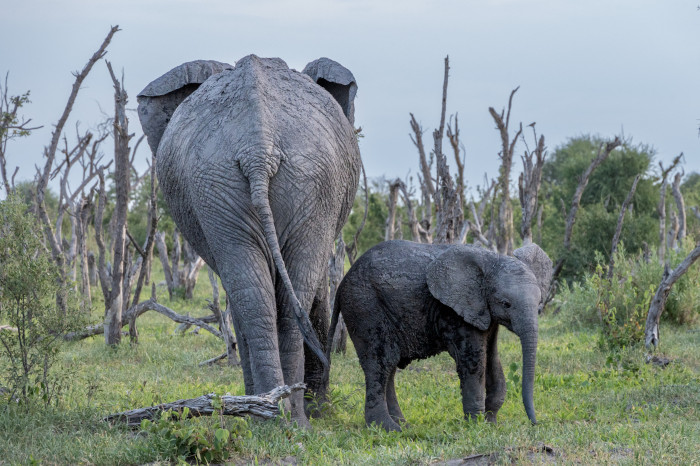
(658, 303)
(603, 152)
(504, 237)
(12, 126)
(179, 276)
(449, 212)
(661, 209)
(426, 180)
(263, 406)
(114, 305)
(390, 226)
(529, 185)
(50, 156)
(335, 274)
(418, 233)
(224, 320)
(82, 214)
(680, 207)
(618, 228)
(147, 255)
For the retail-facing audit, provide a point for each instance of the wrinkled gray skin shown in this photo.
(403, 301)
(259, 165)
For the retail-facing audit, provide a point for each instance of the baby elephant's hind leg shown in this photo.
(391, 400)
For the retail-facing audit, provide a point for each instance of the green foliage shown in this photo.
(28, 287)
(619, 306)
(607, 189)
(180, 438)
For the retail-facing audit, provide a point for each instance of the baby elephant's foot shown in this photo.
(474, 417)
(383, 420)
(491, 417)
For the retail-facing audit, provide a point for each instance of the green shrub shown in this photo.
(28, 287)
(620, 305)
(179, 438)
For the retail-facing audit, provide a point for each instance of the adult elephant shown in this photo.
(259, 165)
(403, 301)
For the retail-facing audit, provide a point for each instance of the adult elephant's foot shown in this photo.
(302, 422)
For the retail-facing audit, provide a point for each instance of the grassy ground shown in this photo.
(593, 407)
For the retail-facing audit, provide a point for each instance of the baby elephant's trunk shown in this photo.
(529, 344)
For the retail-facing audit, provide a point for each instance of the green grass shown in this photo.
(593, 407)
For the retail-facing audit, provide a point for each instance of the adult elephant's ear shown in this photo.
(456, 279)
(337, 80)
(158, 100)
(539, 263)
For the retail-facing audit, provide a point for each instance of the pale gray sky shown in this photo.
(599, 66)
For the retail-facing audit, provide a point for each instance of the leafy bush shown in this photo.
(32, 340)
(181, 439)
(620, 305)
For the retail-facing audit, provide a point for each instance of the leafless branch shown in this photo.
(618, 228)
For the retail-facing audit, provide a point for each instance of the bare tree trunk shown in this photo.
(390, 226)
(447, 206)
(658, 303)
(92, 268)
(504, 238)
(113, 320)
(335, 274)
(426, 180)
(672, 233)
(83, 212)
(529, 186)
(539, 224)
(224, 319)
(618, 228)
(680, 206)
(190, 273)
(662, 206)
(163, 255)
(418, 235)
(175, 256)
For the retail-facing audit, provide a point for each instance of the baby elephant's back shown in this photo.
(388, 279)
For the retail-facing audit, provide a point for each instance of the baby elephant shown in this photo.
(403, 301)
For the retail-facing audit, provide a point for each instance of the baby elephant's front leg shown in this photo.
(469, 352)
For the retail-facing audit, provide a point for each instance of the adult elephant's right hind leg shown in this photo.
(244, 275)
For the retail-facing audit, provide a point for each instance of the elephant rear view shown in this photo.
(259, 165)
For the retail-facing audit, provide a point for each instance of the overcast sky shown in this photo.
(596, 66)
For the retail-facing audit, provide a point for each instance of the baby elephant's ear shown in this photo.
(456, 279)
(158, 100)
(539, 263)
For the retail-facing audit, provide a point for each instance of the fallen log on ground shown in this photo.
(264, 406)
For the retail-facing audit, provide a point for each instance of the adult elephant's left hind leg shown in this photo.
(316, 384)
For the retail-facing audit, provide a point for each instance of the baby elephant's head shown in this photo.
(484, 287)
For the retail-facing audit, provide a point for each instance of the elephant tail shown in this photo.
(259, 191)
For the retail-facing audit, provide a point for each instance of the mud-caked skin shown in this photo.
(259, 165)
(403, 301)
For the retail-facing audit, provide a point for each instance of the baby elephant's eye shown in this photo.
(506, 304)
